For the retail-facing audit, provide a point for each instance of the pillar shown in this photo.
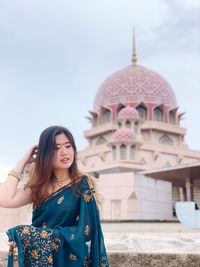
(188, 189)
(181, 194)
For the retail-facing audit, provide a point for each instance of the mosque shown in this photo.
(136, 150)
(135, 129)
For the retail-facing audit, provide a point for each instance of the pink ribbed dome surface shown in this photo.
(123, 134)
(134, 84)
(128, 113)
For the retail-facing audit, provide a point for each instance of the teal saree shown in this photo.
(65, 232)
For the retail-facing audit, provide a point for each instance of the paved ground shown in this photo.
(144, 236)
(174, 243)
(144, 244)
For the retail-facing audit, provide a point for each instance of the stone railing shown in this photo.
(144, 249)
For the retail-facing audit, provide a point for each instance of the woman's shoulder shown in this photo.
(83, 183)
(88, 182)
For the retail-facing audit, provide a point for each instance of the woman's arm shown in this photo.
(10, 195)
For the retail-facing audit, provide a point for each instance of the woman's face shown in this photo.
(63, 153)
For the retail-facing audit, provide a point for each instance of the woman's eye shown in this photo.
(68, 146)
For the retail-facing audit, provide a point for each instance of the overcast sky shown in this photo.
(55, 54)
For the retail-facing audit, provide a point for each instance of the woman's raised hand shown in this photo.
(10, 195)
(28, 158)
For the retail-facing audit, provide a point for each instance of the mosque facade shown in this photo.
(135, 127)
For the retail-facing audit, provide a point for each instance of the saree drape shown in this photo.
(65, 232)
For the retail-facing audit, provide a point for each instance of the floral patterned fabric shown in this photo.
(65, 232)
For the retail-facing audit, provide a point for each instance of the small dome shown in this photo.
(128, 113)
(123, 135)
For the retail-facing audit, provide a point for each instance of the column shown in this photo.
(188, 189)
(181, 194)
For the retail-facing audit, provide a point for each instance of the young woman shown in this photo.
(65, 229)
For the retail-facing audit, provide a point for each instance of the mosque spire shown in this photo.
(134, 58)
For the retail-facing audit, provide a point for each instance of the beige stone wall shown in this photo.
(13, 217)
(128, 196)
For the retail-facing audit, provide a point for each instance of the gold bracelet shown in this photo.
(15, 174)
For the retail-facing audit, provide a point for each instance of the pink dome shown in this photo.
(128, 113)
(134, 84)
(123, 135)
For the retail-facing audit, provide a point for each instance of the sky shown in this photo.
(54, 55)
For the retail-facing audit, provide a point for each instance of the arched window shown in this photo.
(143, 161)
(94, 119)
(165, 140)
(132, 152)
(128, 124)
(119, 124)
(123, 152)
(106, 115)
(95, 122)
(136, 128)
(142, 112)
(114, 152)
(158, 114)
(167, 164)
(172, 118)
(119, 107)
(101, 140)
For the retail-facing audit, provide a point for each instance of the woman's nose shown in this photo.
(63, 150)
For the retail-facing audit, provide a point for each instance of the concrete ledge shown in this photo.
(143, 249)
(3, 259)
(122, 259)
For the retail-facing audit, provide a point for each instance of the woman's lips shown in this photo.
(65, 160)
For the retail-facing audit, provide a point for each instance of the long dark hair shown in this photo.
(42, 172)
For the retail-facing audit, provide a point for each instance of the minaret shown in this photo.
(134, 58)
